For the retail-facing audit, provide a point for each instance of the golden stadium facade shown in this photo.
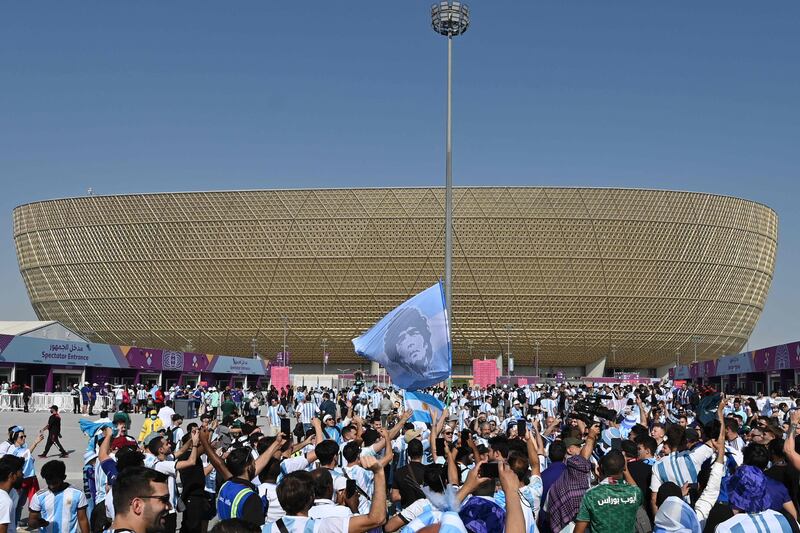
(629, 274)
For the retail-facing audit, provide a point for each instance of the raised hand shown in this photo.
(371, 463)
(508, 478)
(721, 407)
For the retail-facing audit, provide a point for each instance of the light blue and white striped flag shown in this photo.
(424, 406)
(412, 342)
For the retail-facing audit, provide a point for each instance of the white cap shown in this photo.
(339, 483)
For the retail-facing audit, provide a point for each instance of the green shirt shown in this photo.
(227, 407)
(610, 507)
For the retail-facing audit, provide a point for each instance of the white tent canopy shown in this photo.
(49, 329)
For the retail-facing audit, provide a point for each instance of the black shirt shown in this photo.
(404, 482)
(641, 473)
(54, 425)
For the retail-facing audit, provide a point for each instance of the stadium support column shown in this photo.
(662, 372)
(374, 368)
(597, 368)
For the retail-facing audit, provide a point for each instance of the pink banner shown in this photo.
(280, 377)
(521, 382)
(484, 372)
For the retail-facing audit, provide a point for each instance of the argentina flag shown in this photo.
(424, 407)
(412, 342)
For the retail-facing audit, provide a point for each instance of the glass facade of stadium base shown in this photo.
(755, 382)
(776, 368)
(53, 378)
(49, 365)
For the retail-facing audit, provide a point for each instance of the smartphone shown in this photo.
(286, 427)
(521, 427)
(440, 447)
(350, 489)
(489, 470)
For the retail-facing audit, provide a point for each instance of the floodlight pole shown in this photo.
(285, 327)
(324, 353)
(695, 340)
(449, 19)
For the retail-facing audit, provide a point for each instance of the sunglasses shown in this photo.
(164, 498)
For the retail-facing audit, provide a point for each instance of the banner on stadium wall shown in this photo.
(681, 372)
(709, 368)
(279, 377)
(735, 364)
(17, 349)
(484, 372)
(781, 357)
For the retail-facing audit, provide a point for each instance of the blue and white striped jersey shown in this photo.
(292, 464)
(274, 413)
(363, 410)
(375, 400)
(100, 482)
(399, 447)
(168, 469)
(60, 509)
(767, 521)
(28, 468)
(679, 467)
(303, 524)
(306, 411)
(365, 479)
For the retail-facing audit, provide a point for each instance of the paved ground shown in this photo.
(73, 440)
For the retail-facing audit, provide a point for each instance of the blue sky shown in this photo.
(173, 96)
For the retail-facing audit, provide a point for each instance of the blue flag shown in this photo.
(412, 342)
(424, 406)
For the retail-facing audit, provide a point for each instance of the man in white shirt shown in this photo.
(157, 449)
(10, 481)
(165, 414)
(296, 495)
(324, 504)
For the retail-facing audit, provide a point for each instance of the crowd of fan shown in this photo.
(513, 459)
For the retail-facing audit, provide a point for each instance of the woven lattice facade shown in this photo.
(578, 270)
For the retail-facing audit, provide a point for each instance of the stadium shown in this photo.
(571, 275)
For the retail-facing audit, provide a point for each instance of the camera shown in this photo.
(590, 408)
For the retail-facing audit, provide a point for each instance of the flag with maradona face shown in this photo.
(412, 342)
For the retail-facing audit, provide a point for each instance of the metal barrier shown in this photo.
(10, 402)
(42, 401)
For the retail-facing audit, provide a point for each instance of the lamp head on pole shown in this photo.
(450, 18)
